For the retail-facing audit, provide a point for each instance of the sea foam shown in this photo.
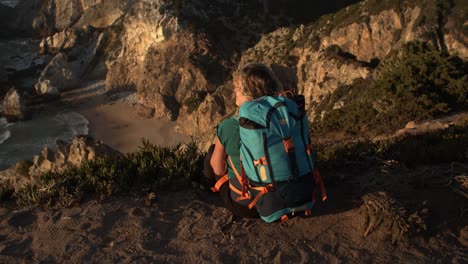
(4, 132)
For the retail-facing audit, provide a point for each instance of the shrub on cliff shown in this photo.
(414, 83)
(150, 169)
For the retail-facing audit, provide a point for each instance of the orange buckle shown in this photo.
(284, 218)
(307, 212)
(261, 161)
(309, 149)
(288, 144)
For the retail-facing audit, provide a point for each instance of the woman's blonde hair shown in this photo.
(258, 80)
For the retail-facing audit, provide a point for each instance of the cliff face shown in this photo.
(338, 50)
(179, 55)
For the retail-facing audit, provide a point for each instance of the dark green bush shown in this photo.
(414, 83)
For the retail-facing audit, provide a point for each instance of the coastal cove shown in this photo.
(108, 109)
(85, 111)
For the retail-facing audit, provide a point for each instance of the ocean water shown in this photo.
(22, 140)
(11, 3)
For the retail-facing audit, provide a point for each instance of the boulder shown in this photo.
(50, 17)
(102, 14)
(67, 13)
(65, 155)
(56, 77)
(80, 149)
(89, 61)
(63, 40)
(14, 107)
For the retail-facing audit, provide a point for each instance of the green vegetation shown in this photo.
(150, 169)
(360, 12)
(414, 83)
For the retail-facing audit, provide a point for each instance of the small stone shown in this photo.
(410, 125)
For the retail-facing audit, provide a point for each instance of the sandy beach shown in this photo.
(113, 120)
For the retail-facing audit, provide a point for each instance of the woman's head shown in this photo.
(253, 81)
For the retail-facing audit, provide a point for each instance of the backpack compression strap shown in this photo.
(242, 195)
(291, 151)
(262, 190)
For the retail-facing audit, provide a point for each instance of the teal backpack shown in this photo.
(278, 169)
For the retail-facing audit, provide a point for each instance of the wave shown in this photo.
(10, 3)
(76, 124)
(4, 133)
(4, 136)
(3, 121)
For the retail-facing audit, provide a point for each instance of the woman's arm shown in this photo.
(218, 159)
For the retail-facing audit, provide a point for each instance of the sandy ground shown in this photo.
(118, 126)
(193, 227)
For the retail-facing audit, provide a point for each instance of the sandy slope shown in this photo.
(187, 227)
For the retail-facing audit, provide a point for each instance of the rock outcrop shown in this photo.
(82, 148)
(56, 77)
(56, 16)
(175, 56)
(66, 155)
(14, 107)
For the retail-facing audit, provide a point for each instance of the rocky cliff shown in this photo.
(349, 44)
(179, 55)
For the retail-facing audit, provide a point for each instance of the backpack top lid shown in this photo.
(260, 112)
(265, 124)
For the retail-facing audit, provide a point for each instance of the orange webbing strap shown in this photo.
(238, 176)
(239, 192)
(287, 93)
(219, 183)
(262, 190)
(284, 218)
(319, 181)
